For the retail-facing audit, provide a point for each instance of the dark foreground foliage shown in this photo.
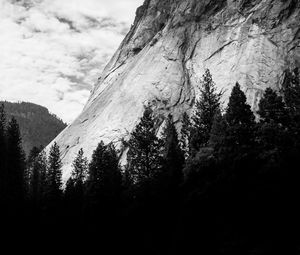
(228, 185)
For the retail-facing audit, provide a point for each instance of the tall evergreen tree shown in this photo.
(173, 156)
(80, 167)
(38, 169)
(74, 193)
(30, 167)
(54, 175)
(15, 162)
(104, 178)
(3, 173)
(240, 119)
(291, 90)
(94, 173)
(185, 135)
(206, 107)
(2, 135)
(34, 152)
(238, 111)
(272, 108)
(218, 131)
(103, 189)
(145, 153)
(274, 124)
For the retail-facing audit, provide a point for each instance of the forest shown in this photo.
(227, 183)
(38, 127)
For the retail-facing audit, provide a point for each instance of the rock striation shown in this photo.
(165, 54)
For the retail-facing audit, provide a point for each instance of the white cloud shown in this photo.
(52, 51)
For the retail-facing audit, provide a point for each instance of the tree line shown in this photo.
(37, 126)
(227, 183)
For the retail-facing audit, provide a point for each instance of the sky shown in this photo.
(53, 51)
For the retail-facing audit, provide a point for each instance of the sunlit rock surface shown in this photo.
(166, 52)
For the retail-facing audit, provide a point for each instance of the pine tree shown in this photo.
(145, 149)
(104, 178)
(274, 122)
(272, 108)
(3, 173)
(173, 156)
(15, 162)
(291, 90)
(218, 131)
(37, 182)
(54, 175)
(127, 178)
(127, 185)
(238, 111)
(95, 168)
(80, 167)
(74, 193)
(103, 188)
(206, 107)
(2, 135)
(185, 135)
(240, 119)
(34, 152)
(30, 168)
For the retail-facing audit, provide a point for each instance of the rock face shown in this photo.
(166, 52)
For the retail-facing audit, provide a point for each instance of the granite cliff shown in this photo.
(167, 50)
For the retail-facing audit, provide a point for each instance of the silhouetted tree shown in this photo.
(173, 156)
(218, 131)
(34, 152)
(104, 180)
(206, 107)
(96, 167)
(74, 192)
(291, 90)
(30, 168)
(274, 122)
(145, 149)
(15, 162)
(185, 135)
(54, 176)
(3, 172)
(80, 167)
(240, 120)
(37, 184)
(272, 108)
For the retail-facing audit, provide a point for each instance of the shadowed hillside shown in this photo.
(37, 125)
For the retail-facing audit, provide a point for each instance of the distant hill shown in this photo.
(38, 126)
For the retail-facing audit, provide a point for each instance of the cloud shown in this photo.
(52, 51)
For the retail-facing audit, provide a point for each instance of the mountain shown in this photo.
(166, 52)
(38, 127)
